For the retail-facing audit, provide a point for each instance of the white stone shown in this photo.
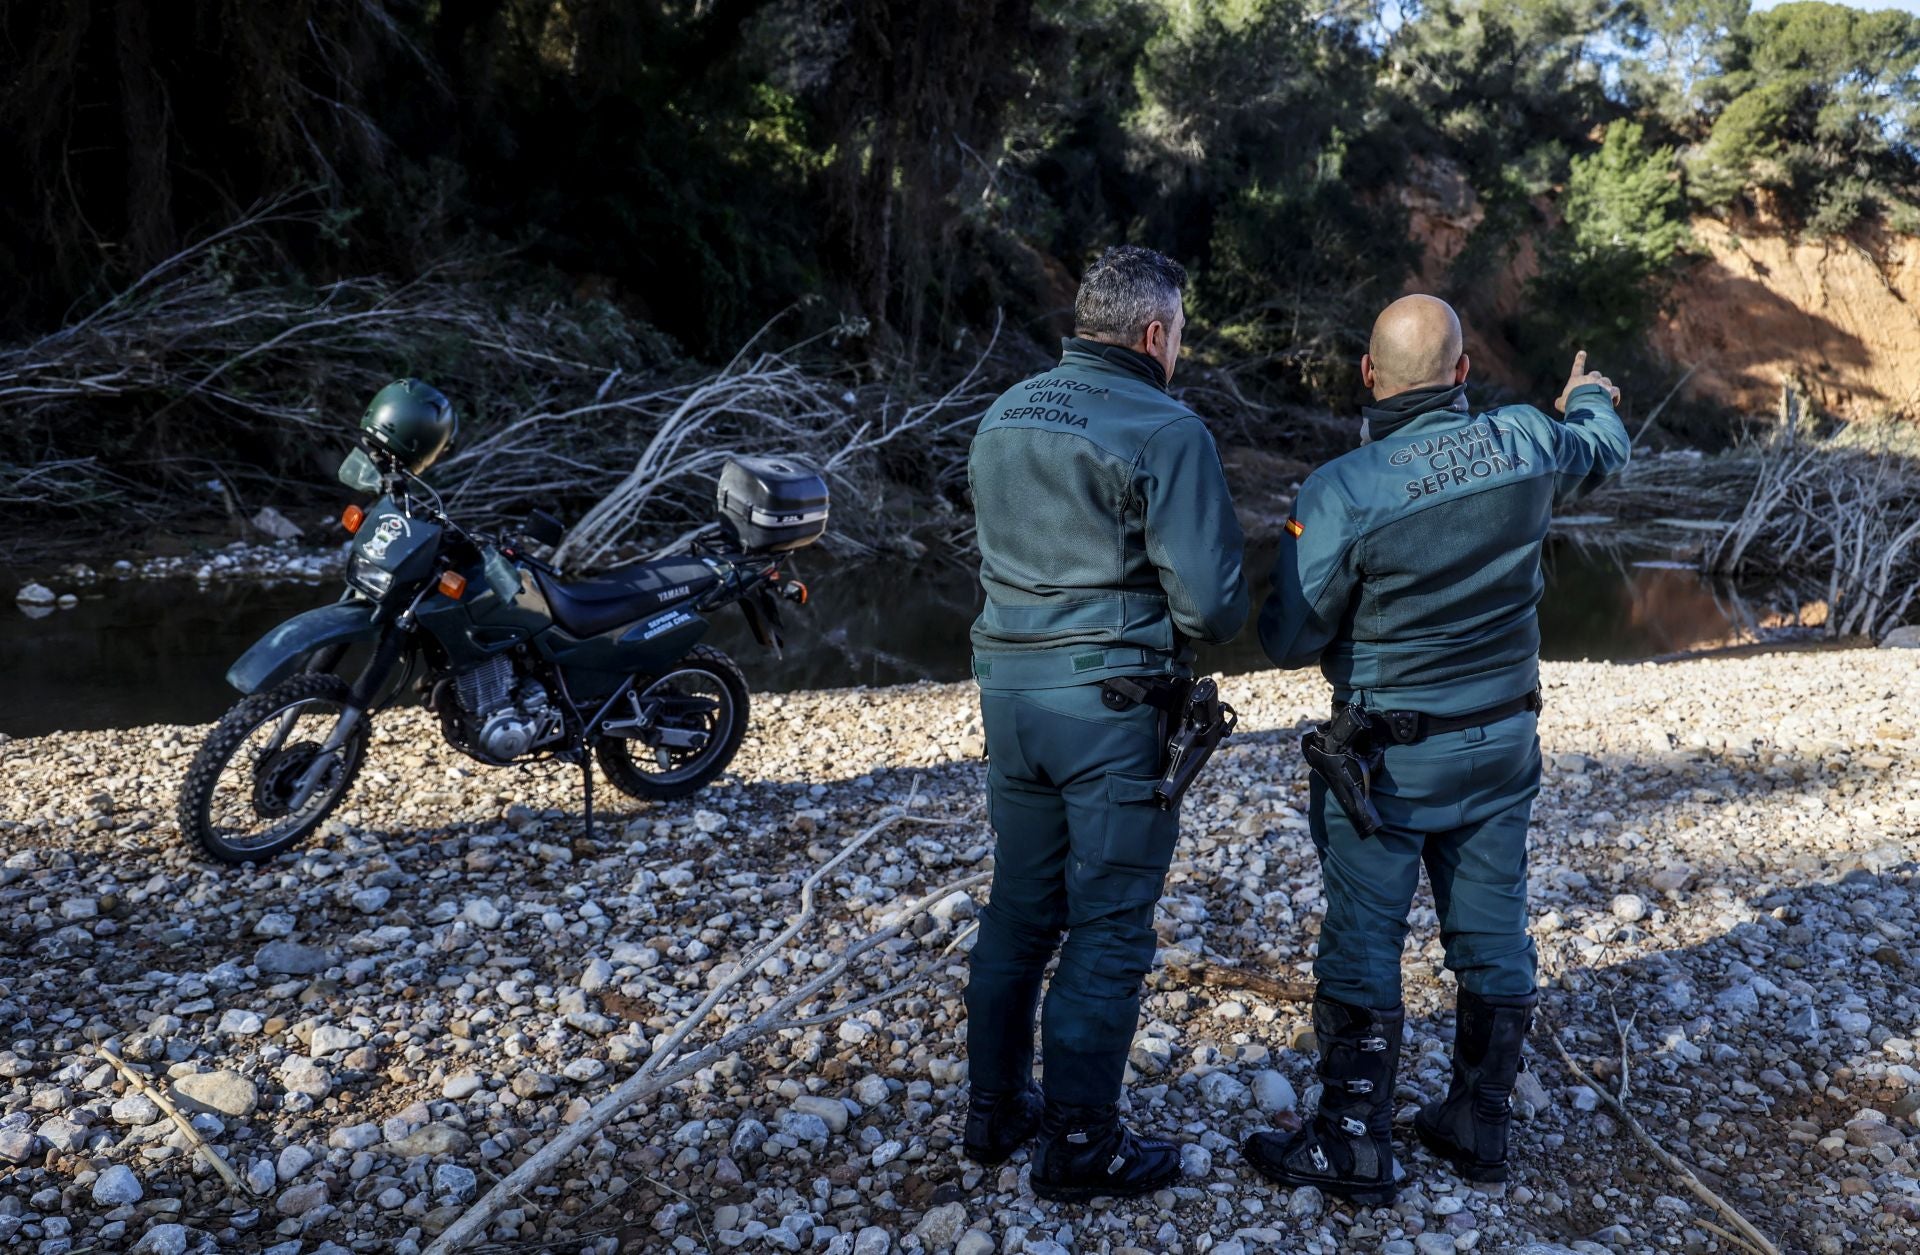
(293, 1160)
(239, 1022)
(134, 1109)
(163, 1239)
(587, 1069)
(453, 1183)
(1273, 1092)
(832, 1110)
(482, 914)
(331, 1039)
(1629, 908)
(940, 1228)
(274, 924)
(116, 1186)
(461, 1086)
(35, 595)
(370, 900)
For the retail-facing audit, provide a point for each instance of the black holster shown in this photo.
(1343, 753)
(1193, 722)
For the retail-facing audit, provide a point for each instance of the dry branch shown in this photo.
(662, 1069)
(185, 1125)
(565, 403)
(1749, 1235)
(1268, 987)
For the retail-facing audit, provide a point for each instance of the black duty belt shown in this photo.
(1409, 727)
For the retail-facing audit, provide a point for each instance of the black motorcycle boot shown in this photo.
(1346, 1149)
(999, 1124)
(1087, 1153)
(1468, 1128)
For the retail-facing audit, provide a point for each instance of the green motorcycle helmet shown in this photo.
(411, 420)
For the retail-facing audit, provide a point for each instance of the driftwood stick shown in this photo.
(658, 1073)
(1751, 1236)
(185, 1125)
(1269, 987)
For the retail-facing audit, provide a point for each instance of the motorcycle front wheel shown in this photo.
(238, 801)
(690, 720)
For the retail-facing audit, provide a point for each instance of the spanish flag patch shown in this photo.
(1294, 528)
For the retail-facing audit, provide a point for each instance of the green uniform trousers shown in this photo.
(1081, 849)
(1460, 802)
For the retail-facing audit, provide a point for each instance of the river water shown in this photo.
(154, 651)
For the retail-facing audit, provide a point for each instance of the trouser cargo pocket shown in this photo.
(1140, 836)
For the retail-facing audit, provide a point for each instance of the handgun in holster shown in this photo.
(1193, 722)
(1342, 752)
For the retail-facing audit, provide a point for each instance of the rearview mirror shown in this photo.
(545, 528)
(359, 473)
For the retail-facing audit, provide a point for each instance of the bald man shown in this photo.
(1409, 573)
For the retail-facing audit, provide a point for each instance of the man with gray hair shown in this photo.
(1107, 545)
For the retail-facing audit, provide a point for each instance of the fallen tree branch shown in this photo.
(1269, 987)
(185, 1125)
(661, 1071)
(1749, 1235)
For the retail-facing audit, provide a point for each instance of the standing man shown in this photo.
(1107, 543)
(1410, 572)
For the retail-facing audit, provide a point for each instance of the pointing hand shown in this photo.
(1580, 376)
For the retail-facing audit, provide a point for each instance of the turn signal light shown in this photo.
(452, 584)
(797, 592)
(351, 518)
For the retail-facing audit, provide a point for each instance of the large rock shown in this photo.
(1905, 637)
(222, 1093)
(35, 595)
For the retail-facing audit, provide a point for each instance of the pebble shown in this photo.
(830, 1110)
(116, 1186)
(166, 1238)
(940, 1228)
(461, 1086)
(453, 1183)
(298, 1200)
(1273, 1092)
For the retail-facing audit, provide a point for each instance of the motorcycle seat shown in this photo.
(624, 595)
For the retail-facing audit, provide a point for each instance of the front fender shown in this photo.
(278, 654)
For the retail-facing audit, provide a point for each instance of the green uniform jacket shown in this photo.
(1107, 538)
(1411, 567)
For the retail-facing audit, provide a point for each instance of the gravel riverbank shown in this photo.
(375, 1029)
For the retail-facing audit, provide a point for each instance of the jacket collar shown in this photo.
(1114, 355)
(1383, 418)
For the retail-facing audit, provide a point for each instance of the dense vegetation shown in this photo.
(924, 164)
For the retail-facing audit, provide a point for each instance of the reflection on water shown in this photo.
(155, 651)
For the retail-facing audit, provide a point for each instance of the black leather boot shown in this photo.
(1347, 1147)
(999, 1124)
(1087, 1153)
(1468, 1128)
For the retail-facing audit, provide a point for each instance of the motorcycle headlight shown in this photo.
(368, 577)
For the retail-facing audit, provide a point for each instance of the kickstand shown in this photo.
(586, 784)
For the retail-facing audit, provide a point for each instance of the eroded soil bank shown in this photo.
(376, 1028)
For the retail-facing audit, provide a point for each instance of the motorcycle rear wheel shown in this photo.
(706, 692)
(236, 802)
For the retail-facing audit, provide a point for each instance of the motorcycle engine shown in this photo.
(503, 720)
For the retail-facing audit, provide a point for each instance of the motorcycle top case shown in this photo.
(773, 503)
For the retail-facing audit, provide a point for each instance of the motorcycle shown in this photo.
(519, 663)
